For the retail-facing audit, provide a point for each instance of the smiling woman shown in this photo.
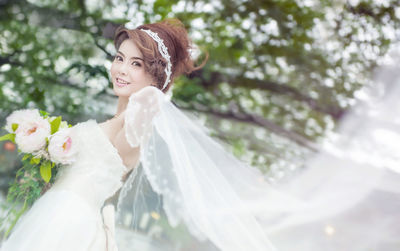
(144, 59)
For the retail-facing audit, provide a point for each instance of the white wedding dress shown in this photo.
(68, 216)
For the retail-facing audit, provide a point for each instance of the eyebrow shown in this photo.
(131, 57)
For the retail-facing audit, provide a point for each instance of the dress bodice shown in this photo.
(98, 170)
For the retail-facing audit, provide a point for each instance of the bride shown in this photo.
(340, 201)
(68, 216)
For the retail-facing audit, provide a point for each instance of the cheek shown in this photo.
(139, 78)
(112, 70)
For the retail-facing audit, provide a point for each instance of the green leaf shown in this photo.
(10, 136)
(44, 113)
(45, 171)
(55, 124)
(35, 160)
(26, 156)
(14, 126)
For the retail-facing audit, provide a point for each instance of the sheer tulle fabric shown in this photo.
(347, 197)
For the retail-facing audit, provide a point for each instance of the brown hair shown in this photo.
(175, 38)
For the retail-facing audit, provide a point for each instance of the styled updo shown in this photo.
(175, 38)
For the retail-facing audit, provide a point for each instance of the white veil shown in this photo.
(346, 198)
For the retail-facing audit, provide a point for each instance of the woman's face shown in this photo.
(127, 70)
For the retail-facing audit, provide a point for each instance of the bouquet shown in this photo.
(46, 144)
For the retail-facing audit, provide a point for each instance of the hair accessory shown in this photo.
(164, 53)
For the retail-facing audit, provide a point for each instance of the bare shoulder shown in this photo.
(109, 128)
(104, 125)
(115, 133)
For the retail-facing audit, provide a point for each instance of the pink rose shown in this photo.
(61, 147)
(32, 130)
(21, 117)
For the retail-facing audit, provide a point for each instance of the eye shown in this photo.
(136, 63)
(118, 58)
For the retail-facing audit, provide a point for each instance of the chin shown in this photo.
(122, 92)
(125, 91)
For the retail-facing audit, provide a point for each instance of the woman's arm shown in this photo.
(129, 155)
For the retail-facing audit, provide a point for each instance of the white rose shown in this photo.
(32, 130)
(21, 117)
(61, 147)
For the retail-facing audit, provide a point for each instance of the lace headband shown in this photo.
(164, 53)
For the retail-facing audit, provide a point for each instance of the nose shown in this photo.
(123, 69)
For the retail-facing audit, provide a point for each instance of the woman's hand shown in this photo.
(147, 98)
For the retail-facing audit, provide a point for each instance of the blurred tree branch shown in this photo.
(7, 59)
(256, 120)
(282, 89)
(52, 17)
